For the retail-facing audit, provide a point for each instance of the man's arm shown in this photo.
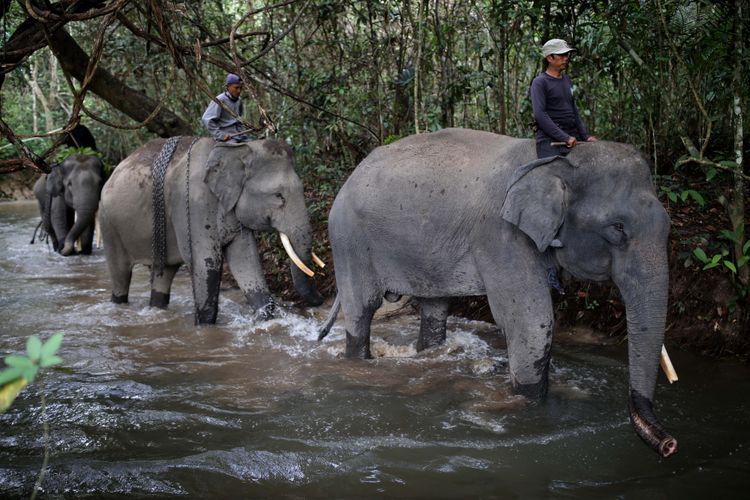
(210, 120)
(539, 107)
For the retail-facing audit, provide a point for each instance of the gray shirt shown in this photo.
(218, 121)
(555, 109)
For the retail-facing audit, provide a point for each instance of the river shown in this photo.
(148, 405)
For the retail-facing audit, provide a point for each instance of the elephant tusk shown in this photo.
(318, 262)
(293, 255)
(666, 365)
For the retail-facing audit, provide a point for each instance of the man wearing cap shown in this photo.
(555, 111)
(220, 123)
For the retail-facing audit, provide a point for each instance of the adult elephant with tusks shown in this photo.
(68, 199)
(216, 196)
(461, 212)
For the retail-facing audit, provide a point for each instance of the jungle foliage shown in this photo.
(336, 78)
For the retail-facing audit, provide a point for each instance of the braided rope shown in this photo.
(187, 202)
(159, 240)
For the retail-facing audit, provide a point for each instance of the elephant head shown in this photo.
(256, 184)
(73, 189)
(596, 212)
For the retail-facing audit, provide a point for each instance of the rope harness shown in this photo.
(159, 240)
(187, 211)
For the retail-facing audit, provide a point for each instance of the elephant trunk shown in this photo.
(299, 247)
(645, 294)
(84, 223)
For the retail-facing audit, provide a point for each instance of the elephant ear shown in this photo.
(536, 200)
(56, 181)
(225, 175)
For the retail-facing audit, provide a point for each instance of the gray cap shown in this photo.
(556, 46)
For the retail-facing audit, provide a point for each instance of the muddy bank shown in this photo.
(18, 185)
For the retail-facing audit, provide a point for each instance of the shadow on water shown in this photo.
(153, 406)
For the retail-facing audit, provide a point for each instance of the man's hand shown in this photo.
(226, 137)
(592, 139)
(571, 142)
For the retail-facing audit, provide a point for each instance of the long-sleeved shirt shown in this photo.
(218, 121)
(555, 109)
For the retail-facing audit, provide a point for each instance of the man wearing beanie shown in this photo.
(220, 123)
(555, 111)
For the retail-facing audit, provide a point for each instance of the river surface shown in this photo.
(148, 405)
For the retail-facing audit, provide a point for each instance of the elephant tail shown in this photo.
(331, 319)
(33, 236)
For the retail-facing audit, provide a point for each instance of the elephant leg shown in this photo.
(527, 320)
(87, 239)
(434, 313)
(206, 271)
(359, 308)
(120, 271)
(161, 286)
(244, 263)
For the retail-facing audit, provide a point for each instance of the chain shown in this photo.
(187, 203)
(159, 240)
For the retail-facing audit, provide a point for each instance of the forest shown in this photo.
(337, 78)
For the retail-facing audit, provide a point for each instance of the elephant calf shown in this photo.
(452, 214)
(216, 197)
(68, 199)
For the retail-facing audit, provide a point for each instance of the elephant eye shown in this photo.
(280, 198)
(619, 227)
(615, 233)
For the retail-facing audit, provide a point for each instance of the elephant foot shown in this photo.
(357, 347)
(534, 391)
(120, 299)
(159, 299)
(206, 316)
(431, 333)
(67, 251)
(313, 298)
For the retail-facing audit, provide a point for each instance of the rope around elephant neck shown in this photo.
(159, 240)
(187, 202)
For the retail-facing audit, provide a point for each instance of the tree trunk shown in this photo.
(131, 102)
(737, 203)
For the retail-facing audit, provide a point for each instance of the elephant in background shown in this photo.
(451, 214)
(217, 196)
(68, 199)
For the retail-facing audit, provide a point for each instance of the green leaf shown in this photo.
(34, 347)
(730, 266)
(700, 255)
(17, 360)
(746, 247)
(728, 163)
(711, 174)
(10, 374)
(50, 361)
(710, 265)
(29, 373)
(684, 195)
(742, 261)
(696, 196)
(52, 345)
(672, 197)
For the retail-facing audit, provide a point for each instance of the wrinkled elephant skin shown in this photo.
(453, 213)
(233, 193)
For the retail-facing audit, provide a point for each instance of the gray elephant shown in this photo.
(68, 198)
(234, 191)
(451, 214)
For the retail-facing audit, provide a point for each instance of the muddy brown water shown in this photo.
(149, 405)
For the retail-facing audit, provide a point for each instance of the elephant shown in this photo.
(460, 212)
(216, 196)
(68, 199)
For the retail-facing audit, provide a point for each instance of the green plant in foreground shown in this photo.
(22, 369)
(720, 258)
